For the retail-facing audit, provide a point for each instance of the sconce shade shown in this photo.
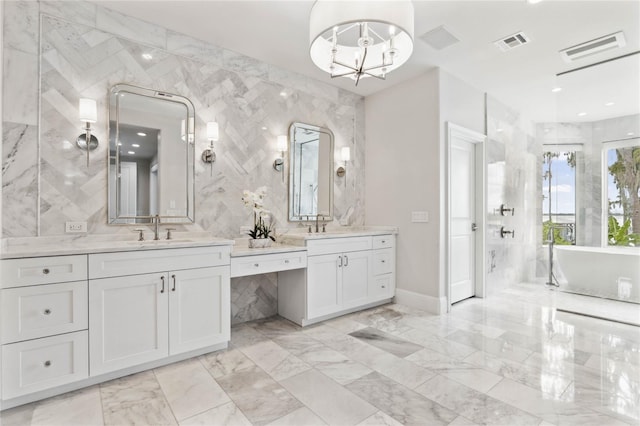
(87, 110)
(213, 132)
(360, 38)
(282, 143)
(345, 153)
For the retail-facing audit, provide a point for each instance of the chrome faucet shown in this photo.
(156, 220)
(318, 216)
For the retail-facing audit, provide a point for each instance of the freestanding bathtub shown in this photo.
(611, 272)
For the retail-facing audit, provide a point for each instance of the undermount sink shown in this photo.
(160, 242)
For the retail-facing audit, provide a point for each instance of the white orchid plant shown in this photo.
(254, 202)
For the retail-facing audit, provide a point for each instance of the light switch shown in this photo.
(420, 217)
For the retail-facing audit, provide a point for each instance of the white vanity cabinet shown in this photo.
(343, 275)
(149, 305)
(44, 323)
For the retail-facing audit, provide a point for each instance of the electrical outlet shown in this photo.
(73, 227)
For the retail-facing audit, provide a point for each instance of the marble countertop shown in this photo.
(241, 248)
(297, 238)
(12, 248)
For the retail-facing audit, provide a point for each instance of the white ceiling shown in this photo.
(276, 32)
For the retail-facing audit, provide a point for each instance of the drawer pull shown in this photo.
(162, 289)
(383, 287)
(47, 311)
(383, 261)
(286, 261)
(256, 265)
(46, 271)
(47, 363)
(174, 282)
(384, 241)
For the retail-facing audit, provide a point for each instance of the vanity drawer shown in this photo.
(44, 310)
(384, 241)
(104, 265)
(42, 270)
(41, 364)
(383, 261)
(265, 263)
(337, 245)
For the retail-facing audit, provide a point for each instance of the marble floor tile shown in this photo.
(226, 414)
(498, 347)
(81, 407)
(274, 360)
(301, 416)
(135, 399)
(439, 344)
(552, 410)
(472, 376)
(343, 372)
(474, 405)
(225, 362)
(261, 399)
(189, 388)
(462, 421)
(18, 416)
(402, 404)
(380, 419)
(394, 345)
(336, 406)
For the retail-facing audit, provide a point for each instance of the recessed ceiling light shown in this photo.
(630, 134)
(131, 152)
(264, 127)
(556, 89)
(135, 145)
(582, 114)
(283, 94)
(119, 143)
(141, 134)
(147, 56)
(609, 104)
(499, 130)
(533, 1)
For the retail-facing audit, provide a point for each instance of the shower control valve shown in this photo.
(504, 232)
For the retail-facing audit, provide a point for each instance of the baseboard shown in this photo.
(434, 305)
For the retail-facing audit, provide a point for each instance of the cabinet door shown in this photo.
(128, 321)
(355, 278)
(199, 308)
(324, 276)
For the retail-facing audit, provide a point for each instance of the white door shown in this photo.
(324, 276)
(355, 278)
(462, 218)
(199, 308)
(128, 321)
(128, 189)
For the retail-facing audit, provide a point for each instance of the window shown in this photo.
(559, 195)
(622, 159)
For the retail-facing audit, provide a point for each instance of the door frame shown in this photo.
(454, 130)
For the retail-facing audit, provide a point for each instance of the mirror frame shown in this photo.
(114, 116)
(292, 166)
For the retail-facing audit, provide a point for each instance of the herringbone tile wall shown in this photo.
(57, 52)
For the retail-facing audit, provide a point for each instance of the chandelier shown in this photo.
(360, 38)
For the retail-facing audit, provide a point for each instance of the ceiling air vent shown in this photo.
(512, 41)
(611, 41)
(439, 38)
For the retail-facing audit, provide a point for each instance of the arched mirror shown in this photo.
(151, 156)
(310, 172)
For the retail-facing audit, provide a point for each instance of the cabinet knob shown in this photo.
(47, 311)
(256, 264)
(384, 241)
(286, 261)
(46, 271)
(383, 261)
(383, 287)
(47, 363)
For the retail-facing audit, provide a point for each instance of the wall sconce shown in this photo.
(345, 154)
(213, 134)
(88, 113)
(278, 163)
(190, 129)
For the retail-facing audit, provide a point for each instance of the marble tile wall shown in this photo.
(57, 52)
(511, 177)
